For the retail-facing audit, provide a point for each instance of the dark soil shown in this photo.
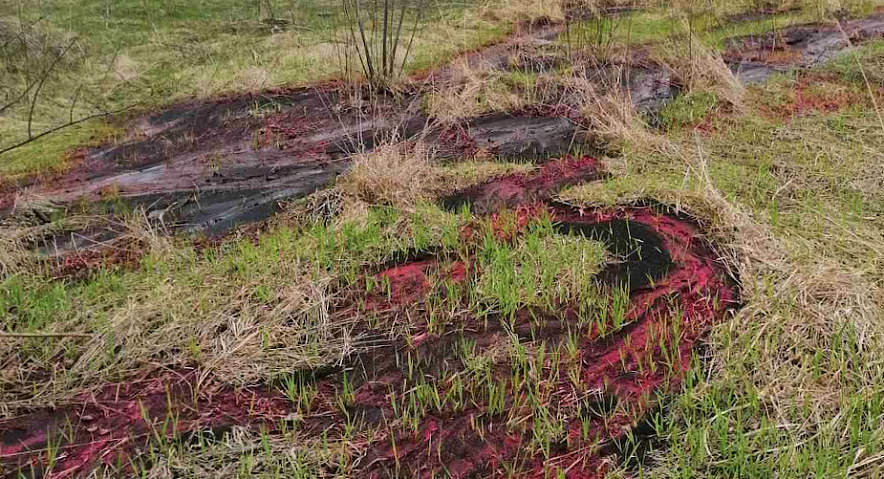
(755, 57)
(662, 258)
(206, 167)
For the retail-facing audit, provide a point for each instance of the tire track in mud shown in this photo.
(678, 290)
(755, 58)
(205, 167)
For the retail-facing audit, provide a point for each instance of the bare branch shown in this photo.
(74, 103)
(43, 78)
(62, 127)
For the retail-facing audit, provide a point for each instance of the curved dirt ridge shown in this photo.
(678, 291)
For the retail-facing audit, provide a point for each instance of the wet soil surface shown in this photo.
(677, 291)
(755, 58)
(206, 167)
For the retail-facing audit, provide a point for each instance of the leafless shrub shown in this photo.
(382, 34)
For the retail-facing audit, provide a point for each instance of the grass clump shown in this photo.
(612, 116)
(478, 91)
(395, 174)
(542, 269)
(687, 109)
(701, 68)
(792, 390)
(859, 65)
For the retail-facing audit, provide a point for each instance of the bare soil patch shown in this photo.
(755, 57)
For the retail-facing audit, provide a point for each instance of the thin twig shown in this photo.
(420, 11)
(44, 335)
(21, 33)
(62, 127)
(74, 103)
(863, 72)
(384, 37)
(43, 81)
(392, 65)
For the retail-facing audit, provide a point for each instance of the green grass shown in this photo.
(241, 277)
(794, 387)
(712, 27)
(51, 153)
(866, 63)
(146, 54)
(688, 109)
(542, 270)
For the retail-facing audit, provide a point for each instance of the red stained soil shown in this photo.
(79, 265)
(646, 356)
(110, 424)
(520, 189)
(618, 365)
(818, 93)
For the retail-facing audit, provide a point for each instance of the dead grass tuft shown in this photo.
(700, 68)
(523, 10)
(12, 254)
(478, 90)
(802, 356)
(394, 174)
(612, 116)
(810, 305)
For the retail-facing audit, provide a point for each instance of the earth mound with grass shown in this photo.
(559, 382)
(485, 270)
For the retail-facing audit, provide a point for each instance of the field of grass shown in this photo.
(140, 55)
(786, 178)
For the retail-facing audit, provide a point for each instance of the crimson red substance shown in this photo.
(677, 292)
(520, 189)
(692, 293)
(105, 427)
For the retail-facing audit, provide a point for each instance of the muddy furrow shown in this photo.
(205, 167)
(677, 291)
(754, 58)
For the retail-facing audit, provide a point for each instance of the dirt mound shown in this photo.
(677, 290)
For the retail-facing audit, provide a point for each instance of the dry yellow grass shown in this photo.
(612, 116)
(395, 174)
(476, 91)
(701, 68)
(523, 10)
(804, 352)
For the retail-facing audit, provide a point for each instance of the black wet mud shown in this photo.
(205, 167)
(753, 58)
